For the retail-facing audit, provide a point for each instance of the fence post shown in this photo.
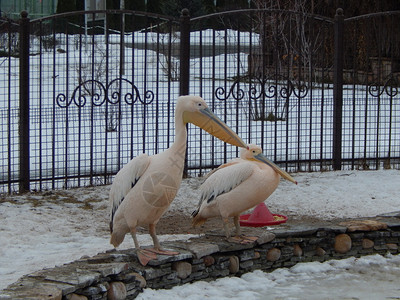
(184, 52)
(338, 90)
(24, 170)
(184, 64)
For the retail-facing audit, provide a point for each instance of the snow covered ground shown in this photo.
(369, 277)
(45, 229)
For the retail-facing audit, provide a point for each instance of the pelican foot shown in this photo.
(163, 252)
(144, 256)
(243, 239)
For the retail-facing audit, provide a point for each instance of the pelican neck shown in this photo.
(180, 131)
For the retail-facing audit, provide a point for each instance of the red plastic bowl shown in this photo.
(261, 216)
(244, 221)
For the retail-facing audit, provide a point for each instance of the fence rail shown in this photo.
(80, 98)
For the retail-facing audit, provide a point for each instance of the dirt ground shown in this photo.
(179, 223)
(174, 221)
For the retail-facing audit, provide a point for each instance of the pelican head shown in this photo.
(195, 110)
(254, 152)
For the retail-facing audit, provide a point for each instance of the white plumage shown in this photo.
(238, 186)
(145, 187)
(125, 179)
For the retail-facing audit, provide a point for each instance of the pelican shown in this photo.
(145, 187)
(237, 186)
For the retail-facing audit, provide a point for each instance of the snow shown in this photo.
(40, 230)
(369, 277)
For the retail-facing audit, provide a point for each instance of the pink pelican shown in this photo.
(237, 186)
(145, 187)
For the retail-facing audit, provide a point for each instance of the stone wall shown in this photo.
(118, 275)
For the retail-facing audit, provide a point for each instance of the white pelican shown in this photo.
(237, 186)
(144, 188)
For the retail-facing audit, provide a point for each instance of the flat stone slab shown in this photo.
(113, 255)
(393, 214)
(35, 288)
(105, 269)
(163, 259)
(391, 222)
(266, 237)
(295, 231)
(223, 244)
(70, 274)
(202, 249)
(364, 225)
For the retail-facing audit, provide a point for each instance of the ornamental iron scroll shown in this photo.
(235, 92)
(89, 88)
(99, 94)
(116, 92)
(269, 97)
(390, 88)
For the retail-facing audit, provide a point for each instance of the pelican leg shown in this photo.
(135, 240)
(144, 256)
(226, 227)
(242, 239)
(237, 225)
(236, 238)
(152, 231)
(157, 247)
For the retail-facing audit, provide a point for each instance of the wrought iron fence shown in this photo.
(80, 98)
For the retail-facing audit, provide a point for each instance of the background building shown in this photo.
(36, 8)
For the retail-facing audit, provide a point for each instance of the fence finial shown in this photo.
(185, 12)
(339, 12)
(24, 14)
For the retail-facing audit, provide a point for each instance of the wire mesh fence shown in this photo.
(103, 91)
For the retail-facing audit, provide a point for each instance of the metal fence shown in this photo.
(82, 94)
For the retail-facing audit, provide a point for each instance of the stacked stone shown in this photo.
(118, 275)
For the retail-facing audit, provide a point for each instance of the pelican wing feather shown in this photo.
(125, 180)
(225, 179)
(229, 163)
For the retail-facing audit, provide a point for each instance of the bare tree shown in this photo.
(169, 64)
(289, 40)
(307, 35)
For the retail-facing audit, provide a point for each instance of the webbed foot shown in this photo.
(163, 252)
(144, 256)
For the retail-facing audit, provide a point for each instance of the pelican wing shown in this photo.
(225, 179)
(229, 163)
(125, 180)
